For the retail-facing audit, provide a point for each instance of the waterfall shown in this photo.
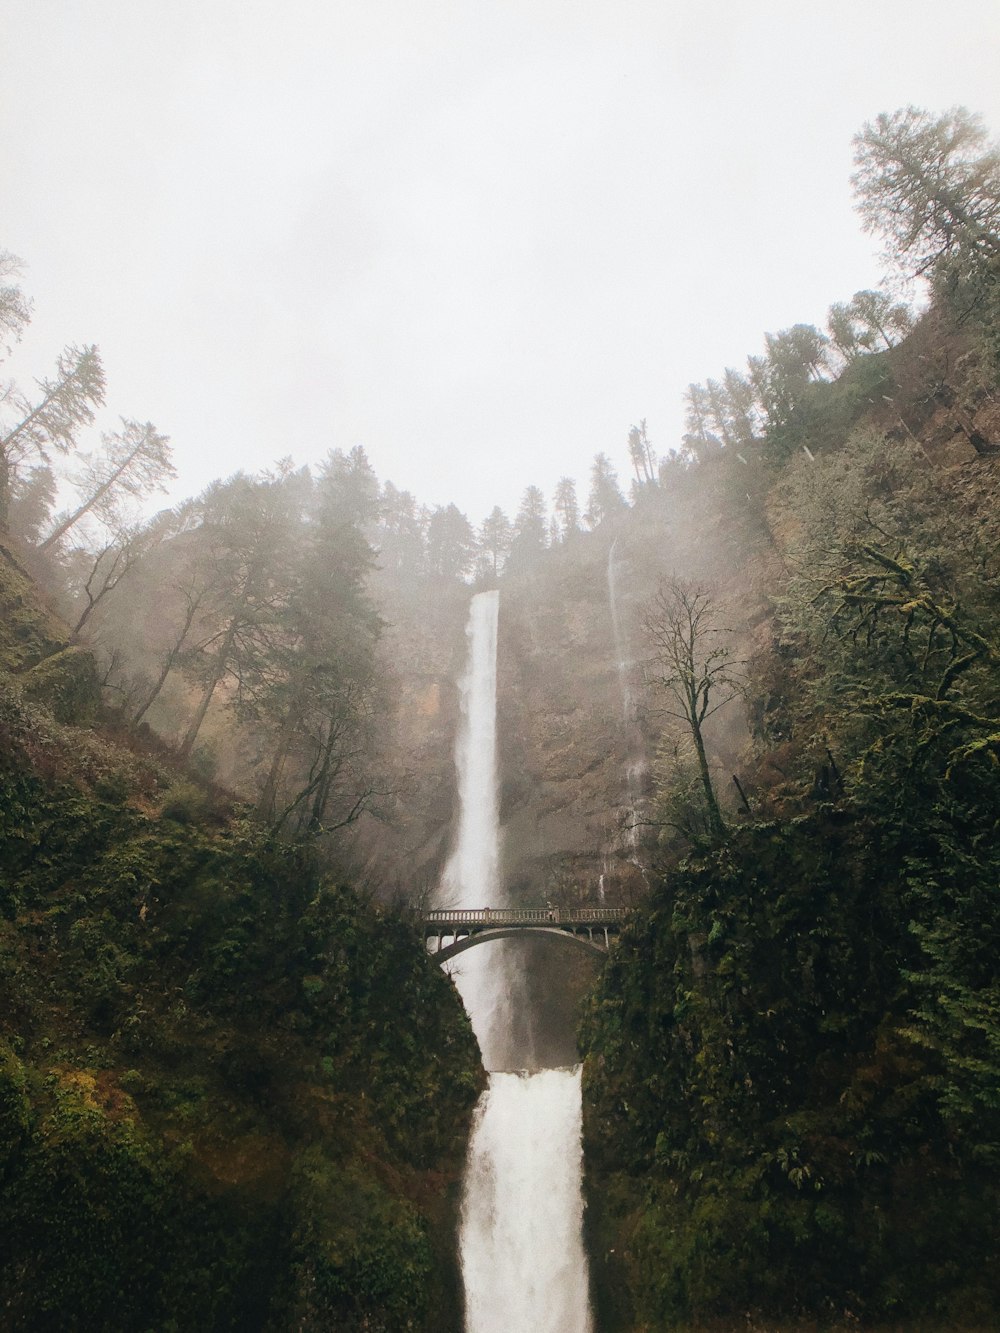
(635, 763)
(522, 1256)
(621, 652)
(471, 877)
(522, 1218)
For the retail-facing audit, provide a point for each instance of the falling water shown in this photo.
(635, 764)
(628, 703)
(471, 877)
(522, 1256)
(522, 1218)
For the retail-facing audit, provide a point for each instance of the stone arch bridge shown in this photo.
(589, 928)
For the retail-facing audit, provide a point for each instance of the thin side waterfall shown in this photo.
(635, 763)
(521, 1238)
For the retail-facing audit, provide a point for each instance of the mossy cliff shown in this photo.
(790, 1083)
(231, 1095)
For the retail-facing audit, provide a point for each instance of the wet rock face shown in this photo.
(424, 645)
(563, 745)
(562, 751)
(574, 760)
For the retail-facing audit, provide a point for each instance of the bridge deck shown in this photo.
(587, 927)
(524, 916)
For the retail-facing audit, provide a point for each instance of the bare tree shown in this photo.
(108, 566)
(193, 594)
(693, 668)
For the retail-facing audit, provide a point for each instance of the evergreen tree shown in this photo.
(32, 497)
(567, 509)
(641, 455)
(15, 308)
(869, 322)
(930, 186)
(719, 412)
(495, 538)
(605, 499)
(134, 462)
(401, 545)
(531, 526)
(451, 543)
(740, 407)
(698, 437)
(317, 697)
(52, 420)
(249, 526)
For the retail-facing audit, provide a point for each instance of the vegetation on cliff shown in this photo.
(233, 1094)
(793, 1058)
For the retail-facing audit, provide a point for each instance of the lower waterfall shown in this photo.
(521, 1239)
(523, 1261)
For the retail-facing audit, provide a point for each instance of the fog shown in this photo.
(479, 240)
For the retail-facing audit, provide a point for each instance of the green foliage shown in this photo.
(802, 1114)
(793, 1059)
(184, 802)
(67, 684)
(28, 631)
(356, 1249)
(15, 1109)
(212, 1065)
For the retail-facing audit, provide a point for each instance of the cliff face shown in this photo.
(560, 713)
(577, 717)
(403, 845)
(581, 715)
(563, 744)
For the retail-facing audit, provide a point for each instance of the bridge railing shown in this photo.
(522, 916)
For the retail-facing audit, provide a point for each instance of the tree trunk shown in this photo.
(168, 666)
(221, 665)
(715, 821)
(161, 681)
(322, 793)
(88, 504)
(265, 805)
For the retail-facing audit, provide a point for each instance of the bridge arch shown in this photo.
(508, 932)
(589, 928)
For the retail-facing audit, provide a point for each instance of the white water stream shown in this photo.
(635, 764)
(523, 1261)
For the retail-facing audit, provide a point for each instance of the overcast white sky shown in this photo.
(479, 238)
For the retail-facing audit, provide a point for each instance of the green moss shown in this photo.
(232, 1095)
(67, 684)
(184, 802)
(15, 1109)
(28, 630)
(773, 1123)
